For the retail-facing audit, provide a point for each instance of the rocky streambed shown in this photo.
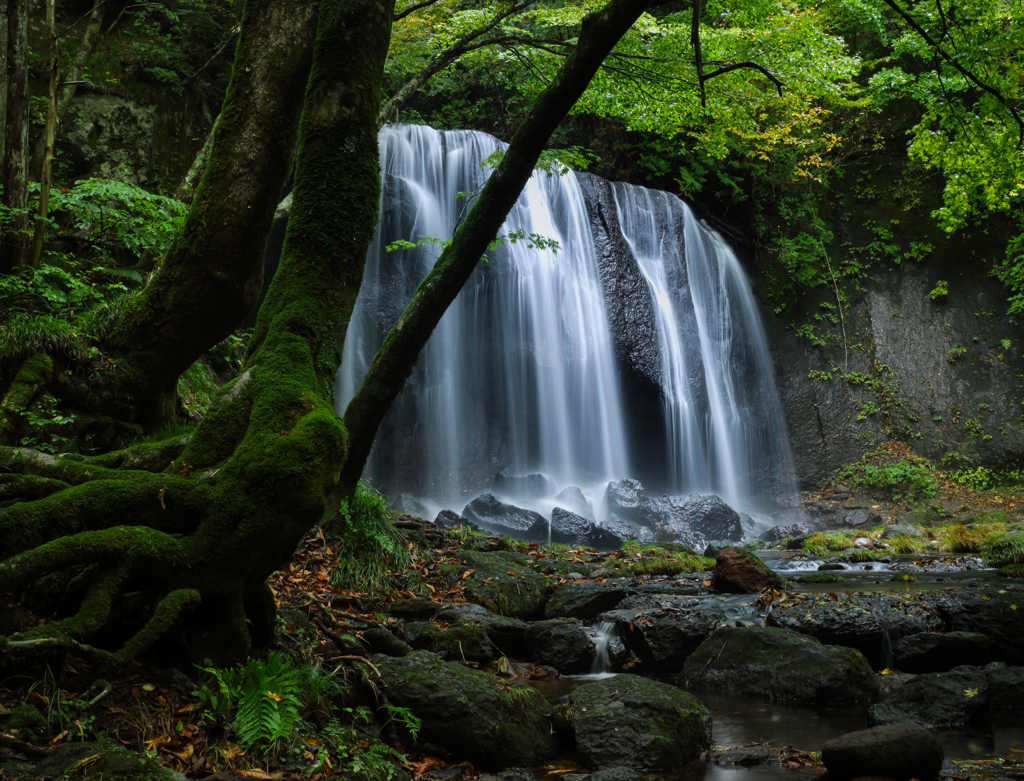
(658, 660)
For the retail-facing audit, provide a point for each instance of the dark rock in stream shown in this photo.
(1000, 616)
(901, 752)
(464, 711)
(573, 529)
(935, 700)
(504, 632)
(779, 665)
(625, 530)
(664, 638)
(929, 652)
(787, 531)
(871, 623)
(449, 519)
(584, 599)
(561, 643)
(626, 498)
(1005, 685)
(492, 514)
(639, 723)
(708, 515)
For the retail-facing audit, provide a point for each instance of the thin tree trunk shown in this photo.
(14, 242)
(51, 132)
(204, 287)
(395, 360)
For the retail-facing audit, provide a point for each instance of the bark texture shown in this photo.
(14, 243)
(204, 287)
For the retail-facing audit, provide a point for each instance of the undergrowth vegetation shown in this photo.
(372, 550)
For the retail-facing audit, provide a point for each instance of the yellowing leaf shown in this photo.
(274, 696)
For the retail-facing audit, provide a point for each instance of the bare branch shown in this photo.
(414, 8)
(747, 66)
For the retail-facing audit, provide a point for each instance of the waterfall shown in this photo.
(522, 373)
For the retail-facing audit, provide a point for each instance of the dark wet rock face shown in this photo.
(382, 641)
(492, 514)
(901, 752)
(504, 583)
(1005, 685)
(464, 712)
(989, 613)
(710, 516)
(573, 529)
(664, 638)
(573, 498)
(779, 665)
(786, 531)
(561, 643)
(584, 599)
(626, 499)
(928, 652)
(448, 519)
(867, 622)
(935, 700)
(624, 530)
(638, 723)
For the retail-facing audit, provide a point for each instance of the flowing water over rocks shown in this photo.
(527, 385)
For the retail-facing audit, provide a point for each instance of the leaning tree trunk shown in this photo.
(196, 540)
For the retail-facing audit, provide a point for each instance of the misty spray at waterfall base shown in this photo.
(634, 350)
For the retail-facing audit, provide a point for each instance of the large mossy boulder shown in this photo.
(778, 664)
(1005, 685)
(935, 700)
(900, 752)
(504, 583)
(635, 722)
(663, 638)
(472, 714)
(489, 512)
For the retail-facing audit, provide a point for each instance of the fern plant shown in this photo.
(265, 696)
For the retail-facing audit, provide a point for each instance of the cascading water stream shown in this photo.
(521, 373)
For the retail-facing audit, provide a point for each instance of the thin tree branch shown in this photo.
(747, 66)
(960, 68)
(413, 8)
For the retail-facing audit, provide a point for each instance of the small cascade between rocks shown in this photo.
(536, 365)
(608, 646)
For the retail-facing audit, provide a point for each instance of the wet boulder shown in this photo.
(709, 515)
(781, 665)
(504, 583)
(627, 499)
(449, 519)
(492, 514)
(522, 486)
(867, 622)
(504, 633)
(901, 530)
(638, 723)
(900, 752)
(999, 616)
(935, 700)
(930, 652)
(1005, 685)
(98, 760)
(742, 572)
(584, 599)
(676, 530)
(381, 641)
(561, 643)
(786, 531)
(624, 531)
(664, 638)
(574, 529)
(471, 713)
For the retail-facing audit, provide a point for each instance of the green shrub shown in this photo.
(904, 543)
(1012, 571)
(999, 550)
(966, 538)
(899, 477)
(833, 541)
(372, 549)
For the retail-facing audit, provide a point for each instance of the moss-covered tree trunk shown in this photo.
(194, 541)
(211, 278)
(14, 238)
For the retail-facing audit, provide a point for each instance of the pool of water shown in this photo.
(739, 721)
